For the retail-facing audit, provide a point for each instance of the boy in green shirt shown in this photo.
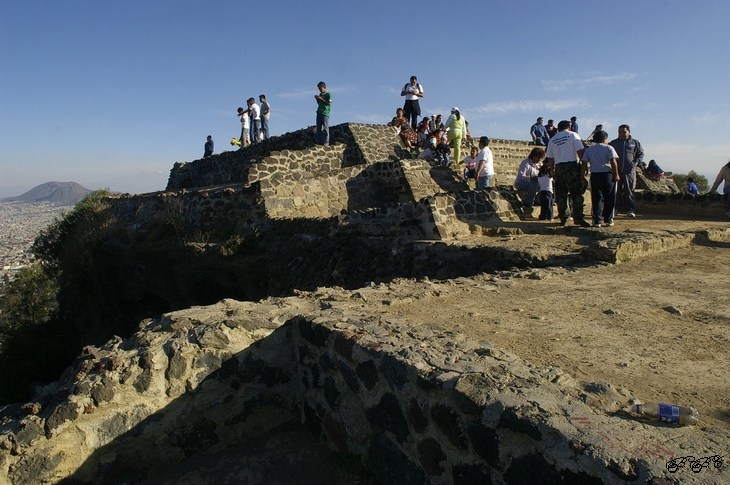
(324, 102)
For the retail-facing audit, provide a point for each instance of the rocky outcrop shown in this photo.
(416, 404)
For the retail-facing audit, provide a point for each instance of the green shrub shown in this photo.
(78, 226)
(28, 299)
(701, 181)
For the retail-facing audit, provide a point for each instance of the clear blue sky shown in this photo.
(93, 90)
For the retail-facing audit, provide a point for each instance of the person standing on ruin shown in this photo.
(208, 149)
(243, 114)
(573, 125)
(723, 178)
(485, 164)
(602, 159)
(551, 129)
(255, 113)
(265, 113)
(324, 106)
(595, 130)
(630, 155)
(563, 154)
(456, 131)
(539, 133)
(412, 108)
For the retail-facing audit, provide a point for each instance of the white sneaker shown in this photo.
(630, 214)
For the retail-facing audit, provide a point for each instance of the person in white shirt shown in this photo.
(255, 113)
(485, 164)
(265, 115)
(412, 91)
(470, 163)
(563, 152)
(245, 141)
(526, 179)
(546, 193)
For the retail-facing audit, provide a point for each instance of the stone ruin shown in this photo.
(209, 375)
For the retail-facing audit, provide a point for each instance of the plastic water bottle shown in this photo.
(668, 413)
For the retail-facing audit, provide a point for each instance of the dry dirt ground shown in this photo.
(657, 327)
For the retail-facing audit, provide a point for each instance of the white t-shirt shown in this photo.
(255, 111)
(244, 121)
(563, 147)
(488, 166)
(527, 170)
(412, 90)
(545, 182)
(599, 157)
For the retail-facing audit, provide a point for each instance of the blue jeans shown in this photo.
(265, 127)
(546, 205)
(483, 182)
(531, 186)
(323, 129)
(626, 200)
(255, 130)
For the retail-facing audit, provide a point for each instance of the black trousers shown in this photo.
(603, 196)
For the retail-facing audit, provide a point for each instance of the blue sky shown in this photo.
(95, 91)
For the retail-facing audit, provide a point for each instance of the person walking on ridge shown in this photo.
(324, 106)
(208, 149)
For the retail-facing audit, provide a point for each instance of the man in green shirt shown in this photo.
(324, 105)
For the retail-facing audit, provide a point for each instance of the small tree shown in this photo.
(27, 299)
(701, 181)
(34, 345)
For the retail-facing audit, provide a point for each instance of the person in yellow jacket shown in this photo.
(456, 131)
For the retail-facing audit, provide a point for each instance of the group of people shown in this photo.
(562, 167)
(254, 121)
(568, 161)
(541, 134)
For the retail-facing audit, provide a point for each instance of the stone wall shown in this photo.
(457, 214)
(296, 152)
(707, 206)
(215, 211)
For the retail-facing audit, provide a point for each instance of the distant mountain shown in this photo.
(57, 193)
